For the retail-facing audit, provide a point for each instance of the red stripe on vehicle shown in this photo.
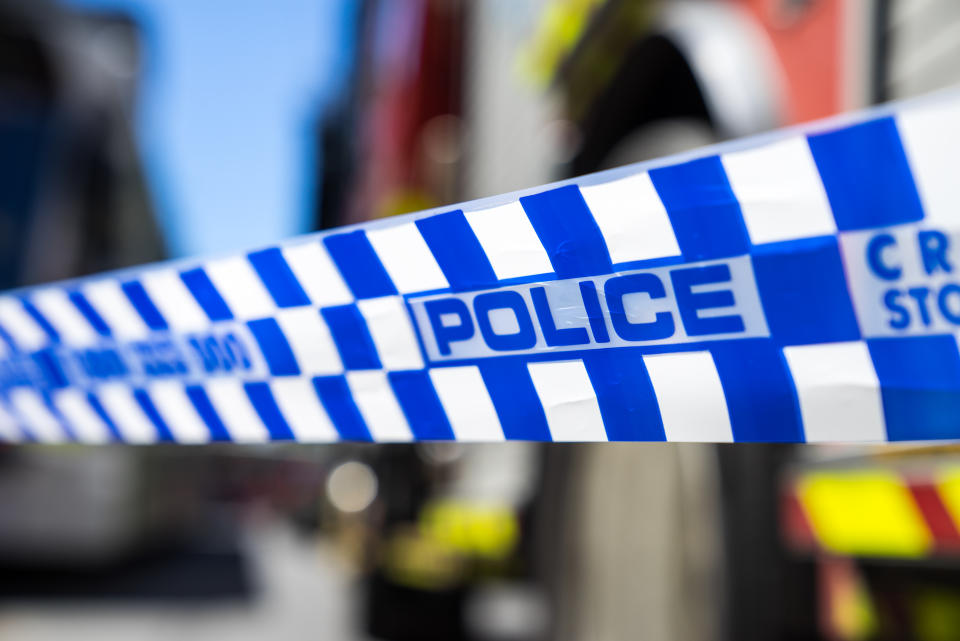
(796, 527)
(942, 527)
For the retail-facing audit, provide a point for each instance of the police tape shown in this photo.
(800, 286)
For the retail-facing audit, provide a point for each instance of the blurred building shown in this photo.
(95, 523)
(73, 199)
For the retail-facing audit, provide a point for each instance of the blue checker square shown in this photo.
(41, 320)
(49, 368)
(359, 264)
(920, 386)
(568, 232)
(274, 347)
(163, 430)
(278, 278)
(457, 251)
(100, 411)
(421, 405)
(93, 317)
(703, 211)
(515, 399)
(201, 402)
(625, 395)
(206, 294)
(335, 396)
(759, 391)
(138, 297)
(803, 291)
(866, 175)
(269, 412)
(351, 337)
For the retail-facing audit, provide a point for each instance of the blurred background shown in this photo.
(137, 130)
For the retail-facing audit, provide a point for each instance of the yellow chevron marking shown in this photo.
(864, 512)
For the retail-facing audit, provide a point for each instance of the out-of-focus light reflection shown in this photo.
(507, 611)
(352, 487)
(439, 453)
(443, 139)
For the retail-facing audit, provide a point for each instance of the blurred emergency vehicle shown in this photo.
(460, 100)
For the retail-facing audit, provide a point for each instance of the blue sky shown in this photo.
(227, 106)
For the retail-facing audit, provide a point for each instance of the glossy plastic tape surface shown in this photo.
(801, 286)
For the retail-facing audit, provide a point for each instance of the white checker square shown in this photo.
(83, 419)
(59, 310)
(317, 274)
(780, 191)
(234, 408)
(38, 417)
(176, 304)
(931, 137)
(691, 399)
(9, 426)
(107, 298)
(407, 258)
(120, 405)
(311, 341)
(392, 332)
(467, 403)
(632, 219)
(509, 241)
(569, 400)
(839, 392)
(240, 287)
(179, 414)
(379, 406)
(26, 333)
(300, 406)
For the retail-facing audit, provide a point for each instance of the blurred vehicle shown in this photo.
(548, 89)
(687, 74)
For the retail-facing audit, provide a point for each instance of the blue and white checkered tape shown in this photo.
(800, 286)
